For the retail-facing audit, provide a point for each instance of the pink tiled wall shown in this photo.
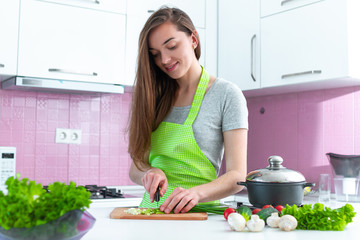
(303, 127)
(28, 121)
(300, 127)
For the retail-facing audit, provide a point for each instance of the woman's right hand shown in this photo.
(152, 179)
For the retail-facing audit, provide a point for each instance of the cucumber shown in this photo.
(265, 213)
(245, 212)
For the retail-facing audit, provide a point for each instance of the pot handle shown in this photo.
(309, 185)
(242, 183)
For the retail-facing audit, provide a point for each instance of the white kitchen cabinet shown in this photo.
(239, 42)
(64, 42)
(9, 20)
(269, 7)
(118, 6)
(138, 11)
(316, 44)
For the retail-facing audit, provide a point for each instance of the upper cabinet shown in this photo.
(117, 6)
(84, 41)
(312, 46)
(269, 7)
(138, 11)
(9, 20)
(239, 42)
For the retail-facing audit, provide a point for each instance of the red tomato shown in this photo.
(279, 208)
(227, 212)
(267, 206)
(256, 210)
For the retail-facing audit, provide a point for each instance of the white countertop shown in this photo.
(214, 228)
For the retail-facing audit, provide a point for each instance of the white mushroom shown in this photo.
(236, 221)
(287, 223)
(255, 224)
(273, 220)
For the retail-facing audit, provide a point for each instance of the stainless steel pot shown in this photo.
(275, 185)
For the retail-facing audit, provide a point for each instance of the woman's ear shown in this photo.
(194, 39)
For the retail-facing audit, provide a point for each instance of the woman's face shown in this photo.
(172, 50)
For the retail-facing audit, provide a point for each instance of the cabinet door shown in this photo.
(239, 53)
(301, 46)
(9, 20)
(71, 43)
(269, 7)
(118, 6)
(138, 11)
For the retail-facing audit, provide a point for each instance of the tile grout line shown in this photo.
(99, 136)
(68, 147)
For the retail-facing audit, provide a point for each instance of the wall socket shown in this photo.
(69, 136)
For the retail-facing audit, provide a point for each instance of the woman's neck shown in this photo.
(187, 86)
(191, 78)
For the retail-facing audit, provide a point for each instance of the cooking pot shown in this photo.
(275, 185)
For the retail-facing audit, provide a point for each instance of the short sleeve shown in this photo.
(235, 112)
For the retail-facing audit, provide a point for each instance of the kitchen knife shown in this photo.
(157, 196)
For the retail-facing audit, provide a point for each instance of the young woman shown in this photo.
(182, 119)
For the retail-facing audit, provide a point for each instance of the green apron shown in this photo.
(175, 151)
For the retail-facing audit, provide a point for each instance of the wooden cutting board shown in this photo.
(119, 213)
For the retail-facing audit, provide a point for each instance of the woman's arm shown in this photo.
(135, 174)
(235, 144)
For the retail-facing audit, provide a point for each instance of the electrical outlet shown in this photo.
(75, 136)
(69, 136)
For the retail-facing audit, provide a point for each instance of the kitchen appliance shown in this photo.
(275, 185)
(102, 192)
(58, 85)
(347, 176)
(7, 165)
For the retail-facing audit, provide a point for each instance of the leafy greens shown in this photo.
(27, 204)
(319, 217)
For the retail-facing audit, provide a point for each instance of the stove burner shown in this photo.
(99, 192)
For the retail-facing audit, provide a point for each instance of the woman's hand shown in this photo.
(152, 179)
(181, 200)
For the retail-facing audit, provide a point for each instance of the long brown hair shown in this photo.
(155, 91)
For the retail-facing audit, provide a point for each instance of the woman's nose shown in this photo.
(165, 58)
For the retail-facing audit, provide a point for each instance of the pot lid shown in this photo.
(275, 172)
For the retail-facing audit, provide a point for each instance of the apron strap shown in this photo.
(199, 95)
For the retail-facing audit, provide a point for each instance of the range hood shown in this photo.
(56, 85)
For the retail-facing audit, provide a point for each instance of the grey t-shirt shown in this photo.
(223, 109)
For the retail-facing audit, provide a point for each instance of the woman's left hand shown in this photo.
(181, 200)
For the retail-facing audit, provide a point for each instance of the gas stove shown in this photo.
(101, 192)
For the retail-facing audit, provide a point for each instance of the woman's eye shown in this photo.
(172, 48)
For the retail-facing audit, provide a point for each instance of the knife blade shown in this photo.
(157, 196)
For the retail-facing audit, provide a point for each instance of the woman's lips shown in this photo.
(171, 67)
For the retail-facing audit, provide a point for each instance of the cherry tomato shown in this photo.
(227, 212)
(279, 208)
(256, 210)
(267, 206)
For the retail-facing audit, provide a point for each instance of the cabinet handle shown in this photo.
(285, 1)
(93, 1)
(252, 57)
(2, 65)
(71, 72)
(301, 73)
(151, 11)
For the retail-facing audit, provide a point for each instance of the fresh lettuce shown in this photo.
(319, 217)
(27, 204)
